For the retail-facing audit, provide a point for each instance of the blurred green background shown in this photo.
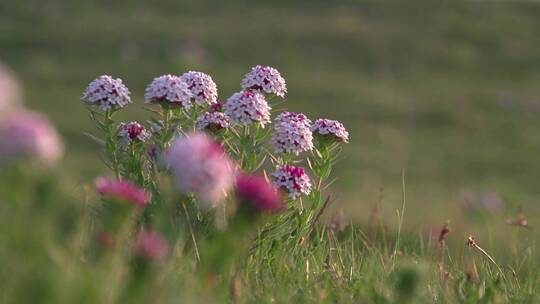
(448, 90)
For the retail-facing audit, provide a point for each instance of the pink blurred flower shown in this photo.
(246, 107)
(201, 166)
(216, 107)
(151, 245)
(203, 88)
(132, 132)
(169, 91)
(107, 93)
(265, 79)
(292, 133)
(29, 134)
(122, 190)
(10, 91)
(332, 128)
(293, 180)
(213, 121)
(259, 194)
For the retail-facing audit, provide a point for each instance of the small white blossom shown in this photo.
(107, 93)
(292, 133)
(132, 132)
(247, 107)
(169, 91)
(293, 180)
(266, 79)
(213, 121)
(333, 128)
(203, 88)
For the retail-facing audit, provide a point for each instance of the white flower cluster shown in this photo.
(169, 91)
(293, 180)
(328, 127)
(266, 79)
(132, 132)
(203, 88)
(292, 133)
(247, 107)
(107, 93)
(213, 121)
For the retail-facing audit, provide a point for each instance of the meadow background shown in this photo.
(447, 90)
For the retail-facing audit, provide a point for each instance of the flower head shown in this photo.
(123, 191)
(132, 132)
(169, 91)
(203, 88)
(201, 166)
(26, 134)
(248, 107)
(330, 128)
(292, 133)
(107, 93)
(293, 180)
(265, 79)
(10, 92)
(151, 245)
(259, 194)
(216, 107)
(213, 121)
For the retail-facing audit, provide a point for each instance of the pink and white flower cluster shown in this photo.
(132, 132)
(213, 121)
(25, 134)
(265, 79)
(294, 180)
(202, 87)
(332, 128)
(292, 133)
(201, 166)
(123, 191)
(247, 107)
(259, 194)
(107, 93)
(169, 91)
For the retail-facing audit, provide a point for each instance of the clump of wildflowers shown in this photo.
(294, 180)
(107, 93)
(292, 133)
(202, 87)
(246, 107)
(265, 79)
(123, 191)
(213, 121)
(201, 166)
(25, 134)
(169, 91)
(332, 129)
(132, 132)
(151, 245)
(259, 194)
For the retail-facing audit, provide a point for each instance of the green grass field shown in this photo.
(446, 91)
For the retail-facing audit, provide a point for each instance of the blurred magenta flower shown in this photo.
(265, 79)
(259, 194)
(132, 132)
(216, 107)
(202, 87)
(25, 134)
(201, 166)
(151, 245)
(293, 180)
(330, 128)
(213, 121)
(10, 91)
(246, 107)
(123, 190)
(292, 133)
(107, 93)
(169, 91)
